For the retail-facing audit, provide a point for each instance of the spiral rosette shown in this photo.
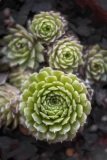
(96, 64)
(48, 26)
(54, 105)
(22, 49)
(66, 54)
(17, 77)
(9, 106)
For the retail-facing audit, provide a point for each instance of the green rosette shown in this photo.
(66, 54)
(22, 50)
(48, 26)
(9, 106)
(18, 76)
(54, 105)
(96, 64)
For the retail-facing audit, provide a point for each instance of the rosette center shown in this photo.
(54, 100)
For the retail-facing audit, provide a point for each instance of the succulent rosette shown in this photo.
(54, 105)
(17, 77)
(48, 26)
(96, 64)
(66, 54)
(9, 106)
(22, 49)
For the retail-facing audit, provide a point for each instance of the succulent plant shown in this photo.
(17, 77)
(96, 64)
(22, 49)
(66, 54)
(54, 105)
(48, 26)
(9, 106)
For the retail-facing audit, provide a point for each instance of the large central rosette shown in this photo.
(66, 54)
(54, 105)
(48, 26)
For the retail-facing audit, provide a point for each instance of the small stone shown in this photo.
(101, 97)
(103, 4)
(103, 43)
(70, 152)
(104, 118)
(93, 128)
(83, 31)
(105, 101)
(7, 12)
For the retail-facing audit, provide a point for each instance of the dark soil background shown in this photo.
(91, 142)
